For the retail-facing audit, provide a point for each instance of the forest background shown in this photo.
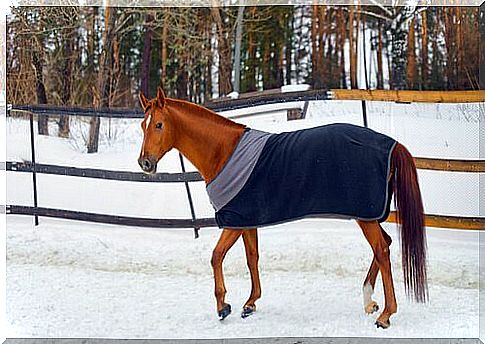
(103, 56)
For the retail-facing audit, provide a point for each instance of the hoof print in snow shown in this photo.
(224, 312)
(247, 311)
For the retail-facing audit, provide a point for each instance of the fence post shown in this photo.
(34, 169)
(364, 113)
(189, 196)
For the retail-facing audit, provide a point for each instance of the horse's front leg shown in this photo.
(226, 241)
(250, 237)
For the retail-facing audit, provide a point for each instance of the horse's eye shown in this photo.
(158, 126)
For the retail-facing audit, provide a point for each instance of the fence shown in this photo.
(264, 98)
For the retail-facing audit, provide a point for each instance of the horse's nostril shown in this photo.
(147, 164)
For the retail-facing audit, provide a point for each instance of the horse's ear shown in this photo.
(143, 101)
(160, 97)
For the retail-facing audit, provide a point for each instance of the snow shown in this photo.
(233, 95)
(295, 88)
(72, 279)
(75, 279)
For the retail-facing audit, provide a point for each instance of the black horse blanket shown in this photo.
(337, 171)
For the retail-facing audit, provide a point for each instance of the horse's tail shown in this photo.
(410, 216)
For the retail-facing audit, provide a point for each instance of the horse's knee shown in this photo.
(387, 238)
(253, 255)
(217, 257)
(382, 253)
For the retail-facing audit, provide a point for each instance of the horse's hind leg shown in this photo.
(250, 237)
(377, 239)
(226, 241)
(370, 306)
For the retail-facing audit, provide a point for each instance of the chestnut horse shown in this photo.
(208, 140)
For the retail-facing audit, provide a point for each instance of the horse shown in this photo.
(209, 141)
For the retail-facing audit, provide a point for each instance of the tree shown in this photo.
(411, 56)
(147, 50)
(102, 92)
(424, 50)
(353, 43)
(69, 35)
(224, 50)
(399, 30)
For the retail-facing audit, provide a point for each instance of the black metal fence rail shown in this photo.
(27, 166)
(110, 219)
(219, 105)
(184, 177)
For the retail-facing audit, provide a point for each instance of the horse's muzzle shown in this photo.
(147, 165)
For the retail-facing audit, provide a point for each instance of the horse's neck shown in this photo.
(203, 138)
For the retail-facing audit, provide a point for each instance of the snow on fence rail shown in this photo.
(265, 98)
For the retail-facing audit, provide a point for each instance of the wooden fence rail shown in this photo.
(444, 221)
(410, 96)
(450, 165)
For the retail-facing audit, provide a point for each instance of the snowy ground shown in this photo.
(73, 279)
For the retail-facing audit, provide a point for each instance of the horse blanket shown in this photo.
(336, 171)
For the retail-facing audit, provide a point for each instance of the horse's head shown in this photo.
(157, 132)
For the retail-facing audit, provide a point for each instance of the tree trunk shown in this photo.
(225, 68)
(314, 38)
(278, 66)
(237, 49)
(102, 97)
(451, 48)
(424, 51)
(353, 49)
(343, 39)
(210, 59)
(289, 46)
(147, 53)
(460, 65)
(411, 58)
(380, 72)
(37, 61)
(182, 82)
(399, 47)
(163, 60)
(66, 83)
(321, 77)
(266, 63)
(250, 75)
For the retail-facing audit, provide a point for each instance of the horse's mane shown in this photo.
(205, 113)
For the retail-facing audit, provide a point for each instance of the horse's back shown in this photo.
(337, 170)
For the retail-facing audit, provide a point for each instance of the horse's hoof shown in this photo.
(383, 325)
(224, 312)
(372, 307)
(247, 311)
